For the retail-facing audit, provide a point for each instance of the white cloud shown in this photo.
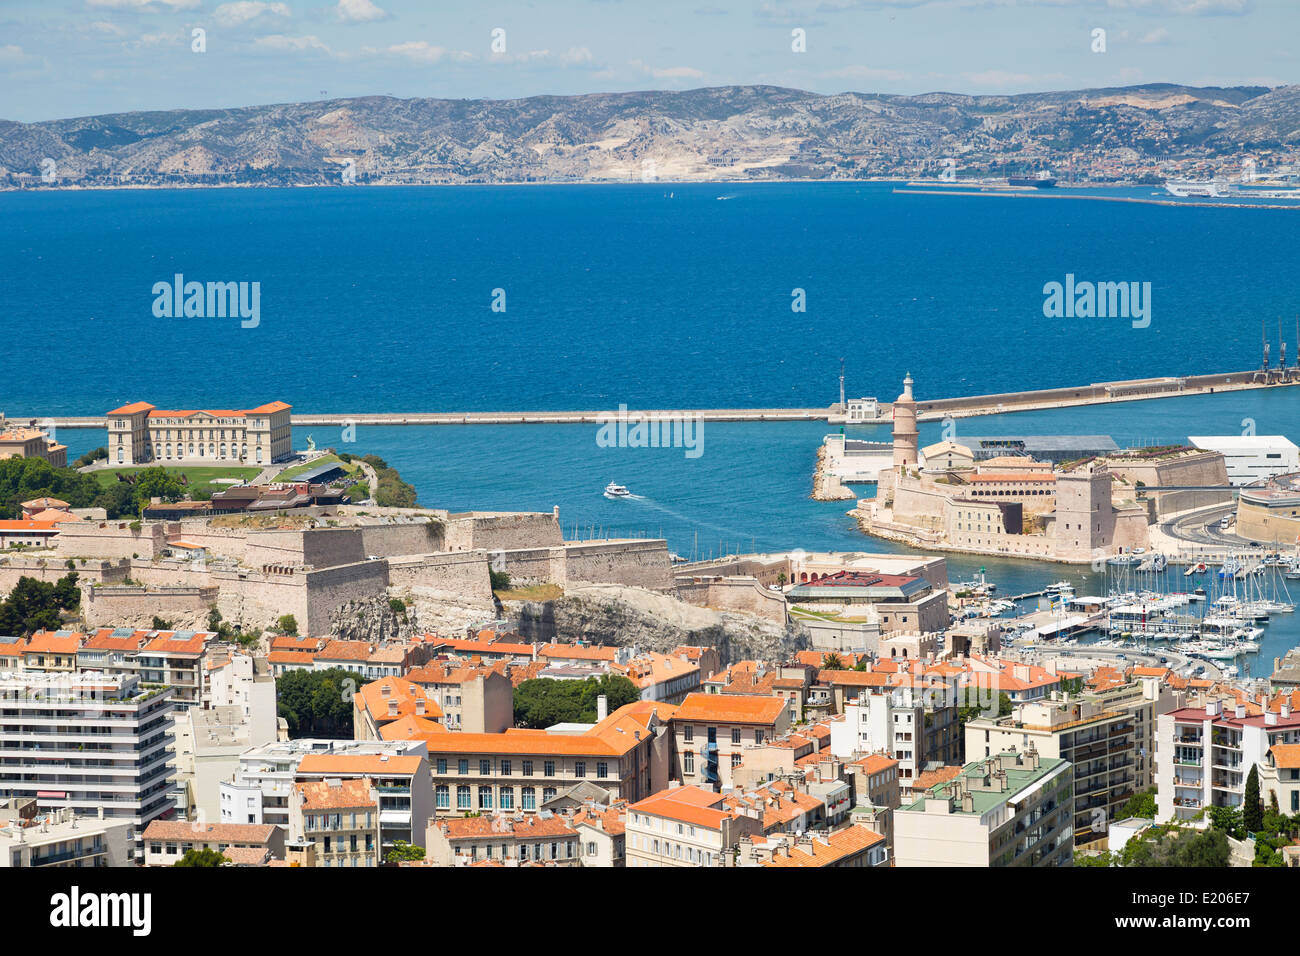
(147, 5)
(1157, 36)
(424, 52)
(360, 11)
(11, 53)
(241, 11)
(574, 56)
(288, 44)
(677, 73)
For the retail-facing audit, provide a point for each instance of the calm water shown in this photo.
(380, 299)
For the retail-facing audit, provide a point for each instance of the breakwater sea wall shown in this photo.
(1097, 393)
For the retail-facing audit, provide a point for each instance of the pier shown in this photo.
(1099, 393)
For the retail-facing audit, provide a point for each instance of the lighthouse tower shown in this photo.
(905, 433)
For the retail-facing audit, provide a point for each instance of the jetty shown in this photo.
(1098, 393)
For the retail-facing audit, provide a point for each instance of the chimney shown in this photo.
(602, 707)
(1241, 711)
(1286, 707)
(1211, 708)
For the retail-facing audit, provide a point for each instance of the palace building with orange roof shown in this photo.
(140, 434)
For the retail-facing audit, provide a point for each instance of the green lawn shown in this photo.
(199, 476)
(290, 473)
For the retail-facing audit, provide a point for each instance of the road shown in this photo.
(1150, 659)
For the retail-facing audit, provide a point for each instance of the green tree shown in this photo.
(1252, 812)
(156, 482)
(204, 857)
(317, 703)
(118, 500)
(90, 457)
(1227, 820)
(1140, 805)
(403, 851)
(499, 580)
(832, 662)
(287, 624)
(543, 701)
(22, 479)
(34, 605)
(1105, 858)
(159, 624)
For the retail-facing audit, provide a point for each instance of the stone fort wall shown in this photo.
(469, 531)
(459, 574)
(137, 606)
(637, 563)
(743, 594)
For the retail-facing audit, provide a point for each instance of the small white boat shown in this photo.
(616, 491)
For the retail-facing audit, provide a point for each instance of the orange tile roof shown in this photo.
(258, 833)
(359, 764)
(284, 642)
(346, 651)
(410, 727)
(839, 845)
(611, 819)
(291, 657)
(168, 643)
(45, 503)
(687, 804)
(486, 647)
(577, 652)
(105, 641)
(25, 525)
(47, 642)
(875, 763)
(931, 778)
(1286, 756)
(781, 804)
(520, 827)
(372, 699)
(54, 516)
(730, 709)
(132, 408)
(854, 678)
(321, 795)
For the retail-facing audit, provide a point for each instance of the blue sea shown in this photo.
(653, 296)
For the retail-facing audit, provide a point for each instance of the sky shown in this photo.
(67, 58)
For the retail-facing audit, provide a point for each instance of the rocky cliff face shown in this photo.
(429, 612)
(649, 621)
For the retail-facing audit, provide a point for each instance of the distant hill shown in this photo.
(724, 133)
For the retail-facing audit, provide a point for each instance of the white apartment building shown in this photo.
(1252, 457)
(87, 741)
(261, 785)
(245, 682)
(686, 826)
(62, 838)
(1205, 755)
(1011, 809)
(893, 721)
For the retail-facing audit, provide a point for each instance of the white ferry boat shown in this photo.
(616, 491)
(1194, 189)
